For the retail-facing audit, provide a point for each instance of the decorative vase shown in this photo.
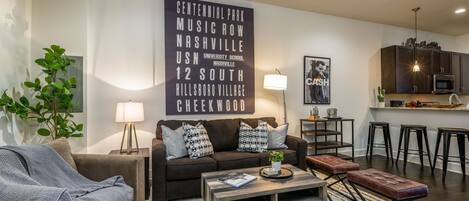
(276, 166)
(381, 104)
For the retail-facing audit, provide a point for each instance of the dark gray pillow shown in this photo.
(174, 142)
(277, 137)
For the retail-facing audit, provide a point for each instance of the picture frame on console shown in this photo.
(317, 80)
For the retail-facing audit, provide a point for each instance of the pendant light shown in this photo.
(416, 67)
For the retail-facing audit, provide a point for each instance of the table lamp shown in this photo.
(277, 82)
(129, 113)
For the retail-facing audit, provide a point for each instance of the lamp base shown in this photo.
(129, 129)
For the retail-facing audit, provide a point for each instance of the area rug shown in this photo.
(333, 194)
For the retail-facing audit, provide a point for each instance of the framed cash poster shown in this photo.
(317, 80)
(209, 58)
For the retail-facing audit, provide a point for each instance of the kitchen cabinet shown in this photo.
(460, 69)
(442, 62)
(396, 69)
(464, 64)
(456, 70)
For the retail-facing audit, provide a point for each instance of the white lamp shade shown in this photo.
(129, 112)
(275, 82)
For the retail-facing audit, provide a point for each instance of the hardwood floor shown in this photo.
(454, 188)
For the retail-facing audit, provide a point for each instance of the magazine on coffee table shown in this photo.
(237, 179)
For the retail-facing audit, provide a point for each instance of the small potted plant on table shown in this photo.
(276, 158)
(380, 95)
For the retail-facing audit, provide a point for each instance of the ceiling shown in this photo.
(435, 16)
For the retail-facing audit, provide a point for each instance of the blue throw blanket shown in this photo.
(38, 173)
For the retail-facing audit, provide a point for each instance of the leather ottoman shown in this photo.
(391, 186)
(334, 167)
(331, 164)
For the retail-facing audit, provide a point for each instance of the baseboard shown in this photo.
(452, 167)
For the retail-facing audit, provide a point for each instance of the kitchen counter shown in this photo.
(432, 118)
(463, 109)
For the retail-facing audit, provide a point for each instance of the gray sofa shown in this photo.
(180, 178)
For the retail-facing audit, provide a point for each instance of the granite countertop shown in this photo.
(462, 108)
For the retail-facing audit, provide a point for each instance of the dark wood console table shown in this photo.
(328, 134)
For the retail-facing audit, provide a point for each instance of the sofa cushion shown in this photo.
(289, 157)
(174, 142)
(186, 168)
(197, 141)
(277, 137)
(172, 124)
(253, 139)
(228, 160)
(62, 147)
(223, 134)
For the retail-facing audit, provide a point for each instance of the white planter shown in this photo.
(381, 104)
(276, 166)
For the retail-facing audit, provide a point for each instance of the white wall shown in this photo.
(125, 48)
(14, 61)
(463, 43)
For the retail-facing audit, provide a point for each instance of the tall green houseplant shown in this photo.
(51, 101)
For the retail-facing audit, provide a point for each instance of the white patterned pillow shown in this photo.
(253, 139)
(197, 142)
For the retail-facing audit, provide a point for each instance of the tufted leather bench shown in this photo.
(391, 186)
(331, 164)
(335, 167)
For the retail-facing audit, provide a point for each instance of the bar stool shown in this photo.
(420, 130)
(371, 138)
(460, 134)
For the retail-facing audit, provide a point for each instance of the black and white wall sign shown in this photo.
(209, 51)
(317, 80)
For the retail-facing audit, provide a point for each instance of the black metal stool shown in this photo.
(421, 131)
(371, 138)
(460, 134)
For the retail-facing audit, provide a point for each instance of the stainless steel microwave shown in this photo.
(444, 84)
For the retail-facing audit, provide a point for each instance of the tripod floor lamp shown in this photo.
(129, 113)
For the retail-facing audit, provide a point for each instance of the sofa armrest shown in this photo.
(100, 167)
(301, 148)
(158, 154)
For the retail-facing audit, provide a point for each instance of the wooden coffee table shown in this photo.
(214, 190)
